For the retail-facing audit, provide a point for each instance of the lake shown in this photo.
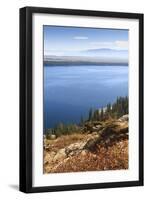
(70, 91)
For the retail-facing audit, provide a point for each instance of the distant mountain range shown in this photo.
(102, 56)
(104, 50)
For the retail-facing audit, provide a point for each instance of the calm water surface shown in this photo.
(69, 92)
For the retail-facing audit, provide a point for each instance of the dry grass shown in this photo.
(64, 141)
(110, 153)
(114, 157)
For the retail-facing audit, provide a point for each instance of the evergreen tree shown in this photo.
(95, 115)
(108, 109)
(102, 114)
(90, 114)
(120, 107)
(115, 110)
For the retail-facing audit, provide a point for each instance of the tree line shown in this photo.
(114, 110)
(63, 129)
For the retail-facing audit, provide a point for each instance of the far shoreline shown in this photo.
(76, 64)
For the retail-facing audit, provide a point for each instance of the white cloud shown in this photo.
(122, 44)
(80, 38)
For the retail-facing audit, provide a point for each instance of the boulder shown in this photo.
(114, 131)
(92, 126)
(52, 137)
(124, 118)
(60, 155)
(98, 127)
(74, 148)
(92, 142)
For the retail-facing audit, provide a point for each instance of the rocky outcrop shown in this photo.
(97, 135)
(90, 127)
(124, 118)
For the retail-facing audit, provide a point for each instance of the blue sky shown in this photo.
(62, 41)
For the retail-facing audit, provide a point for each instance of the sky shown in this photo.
(70, 41)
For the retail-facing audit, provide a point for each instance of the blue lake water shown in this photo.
(70, 91)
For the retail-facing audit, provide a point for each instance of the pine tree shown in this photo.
(102, 114)
(97, 115)
(108, 110)
(90, 114)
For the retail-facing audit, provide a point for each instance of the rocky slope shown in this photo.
(99, 146)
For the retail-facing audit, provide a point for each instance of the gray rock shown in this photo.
(91, 144)
(74, 148)
(124, 118)
(52, 137)
(61, 154)
(98, 127)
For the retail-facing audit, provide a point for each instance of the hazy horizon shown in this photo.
(103, 44)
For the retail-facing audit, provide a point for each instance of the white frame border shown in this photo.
(132, 174)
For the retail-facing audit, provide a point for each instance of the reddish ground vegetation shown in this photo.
(112, 158)
(103, 149)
